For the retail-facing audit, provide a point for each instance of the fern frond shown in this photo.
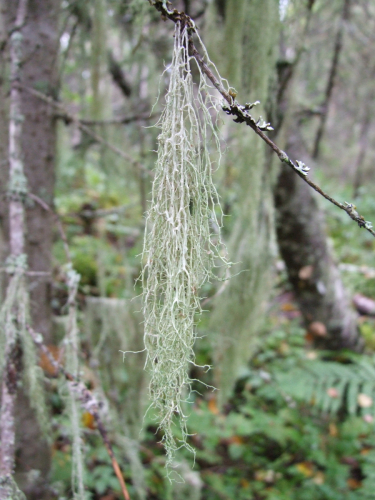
(330, 386)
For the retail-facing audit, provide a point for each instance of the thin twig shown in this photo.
(89, 403)
(242, 115)
(94, 214)
(60, 227)
(70, 118)
(121, 120)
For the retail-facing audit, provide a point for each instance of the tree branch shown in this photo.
(242, 115)
(118, 75)
(121, 120)
(70, 118)
(60, 227)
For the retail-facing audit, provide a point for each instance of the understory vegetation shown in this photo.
(299, 423)
(167, 330)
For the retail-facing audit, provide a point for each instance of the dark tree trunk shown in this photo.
(39, 144)
(39, 70)
(301, 234)
(312, 272)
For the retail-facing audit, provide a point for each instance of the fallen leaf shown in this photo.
(305, 272)
(317, 329)
(311, 355)
(333, 431)
(353, 484)
(309, 337)
(364, 401)
(306, 468)
(288, 306)
(365, 451)
(333, 392)
(235, 440)
(319, 478)
(212, 406)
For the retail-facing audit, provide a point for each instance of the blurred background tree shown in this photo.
(295, 411)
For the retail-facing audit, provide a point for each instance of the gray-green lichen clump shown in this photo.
(180, 249)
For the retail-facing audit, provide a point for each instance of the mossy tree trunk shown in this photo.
(311, 269)
(303, 244)
(251, 34)
(40, 71)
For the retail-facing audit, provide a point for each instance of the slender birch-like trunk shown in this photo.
(17, 192)
(331, 78)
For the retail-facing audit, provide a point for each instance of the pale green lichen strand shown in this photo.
(180, 248)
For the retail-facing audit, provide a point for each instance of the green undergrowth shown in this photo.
(276, 441)
(273, 440)
(299, 424)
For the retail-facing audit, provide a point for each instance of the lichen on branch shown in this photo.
(180, 248)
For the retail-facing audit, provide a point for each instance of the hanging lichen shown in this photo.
(238, 313)
(72, 349)
(14, 316)
(105, 320)
(179, 247)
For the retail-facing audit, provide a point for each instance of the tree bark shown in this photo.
(39, 70)
(311, 269)
(16, 194)
(363, 146)
(302, 239)
(331, 78)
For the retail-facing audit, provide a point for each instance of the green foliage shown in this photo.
(331, 386)
(269, 445)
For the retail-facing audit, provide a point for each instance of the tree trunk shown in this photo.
(248, 61)
(363, 146)
(303, 245)
(312, 272)
(39, 70)
(331, 78)
(39, 145)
